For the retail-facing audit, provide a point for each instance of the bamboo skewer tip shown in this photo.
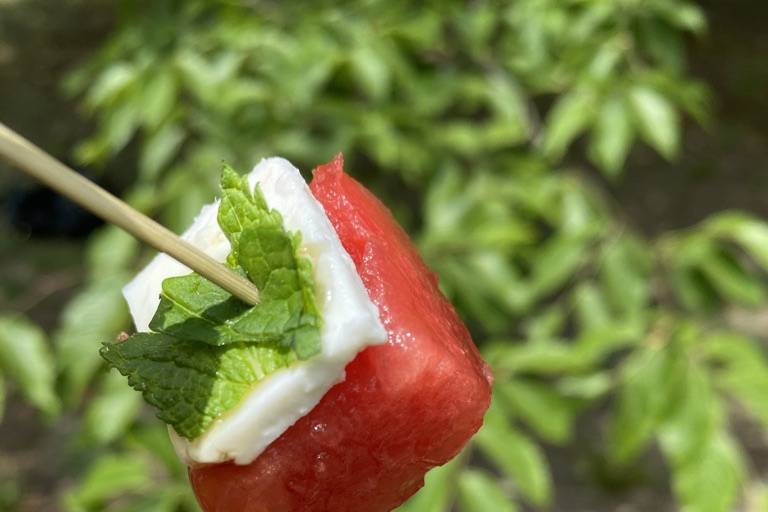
(40, 165)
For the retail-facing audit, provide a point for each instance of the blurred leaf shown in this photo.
(189, 194)
(160, 149)
(694, 290)
(548, 413)
(97, 314)
(153, 439)
(585, 387)
(570, 116)
(508, 100)
(371, 71)
(546, 324)
(111, 82)
(159, 96)
(546, 357)
(693, 421)
(516, 455)
(742, 370)
(556, 262)
(685, 15)
(751, 233)
(498, 278)
(119, 126)
(478, 492)
(110, 251)
(730, 279)
(3, 393)
(664, 44)
(578, 214)
(624, 276)
(26, 360)
(591, 309)
(554, 357)
(612, 136)
(649, 388)
(657, 120)
(166, 500)
(713, 482)
(113, 409)
(111, 476)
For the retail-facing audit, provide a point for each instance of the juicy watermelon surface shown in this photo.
(404, 407)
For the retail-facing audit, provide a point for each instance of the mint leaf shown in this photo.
(208, 349)
(240, 208)
(194, 309)
(192, 384)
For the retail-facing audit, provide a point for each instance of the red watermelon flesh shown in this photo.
(404, 407)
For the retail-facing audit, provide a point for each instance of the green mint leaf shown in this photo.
(208, 349)
(195, 309)
(192, 384)
(240, 208)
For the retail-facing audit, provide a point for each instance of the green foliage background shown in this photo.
(480, 124)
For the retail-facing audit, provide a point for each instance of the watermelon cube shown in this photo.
(404, 407)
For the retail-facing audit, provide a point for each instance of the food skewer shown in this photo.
(40, 165)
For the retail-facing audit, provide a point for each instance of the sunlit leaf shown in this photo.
(120, 125)
(516, 455)
(508, 99)
(548, 413)
(547, 357)
(650, 383)
(570, 116)
(97, 314)
(693, 421)
(153, 440)
(657, 119)
(685, 15)
(112, 410)
(159, 96)
(612, 135)
(556, 263)
(371, 71)
(160, 149)
(731, 280)
(25, 359)
(742, 370)
(547, 324)
(110, 251)
(591, 309)
(624, 276)
(112, 81)
(3, 394)
(478, 492)
(585, 387)
(713, 482)
(109, 477)
(751, 233)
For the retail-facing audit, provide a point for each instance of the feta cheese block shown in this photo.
(350, 320)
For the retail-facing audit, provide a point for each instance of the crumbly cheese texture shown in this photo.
(350, 319)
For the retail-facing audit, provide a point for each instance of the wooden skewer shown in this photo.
(42, 166)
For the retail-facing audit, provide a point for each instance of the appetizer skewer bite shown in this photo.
(350, 379)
